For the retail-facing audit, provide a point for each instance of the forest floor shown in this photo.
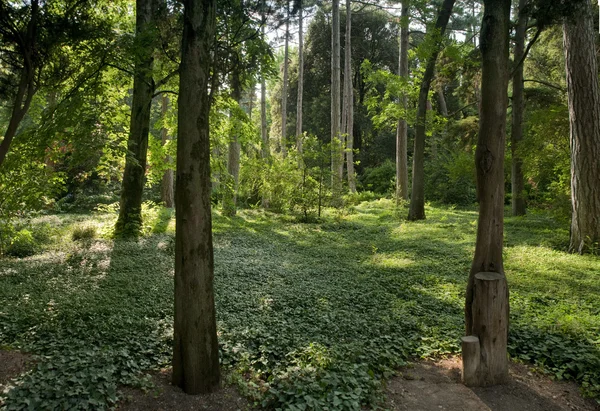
(310, 316)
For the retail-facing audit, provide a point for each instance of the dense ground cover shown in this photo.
(309, 315)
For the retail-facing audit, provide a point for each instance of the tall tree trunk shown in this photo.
(441, 99)
(402, 129)
(167, 180)
(134, 177)
(233, 158)
(348, 120)
(284, 89)
(518, 107)
(490, 323)
(417, 198)
(266, 151)
(195, 347)
(300, 82)
(584, 115)
(27, 87)
(336, 146)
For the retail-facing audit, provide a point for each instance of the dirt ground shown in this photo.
(435, 386)
(424, 386)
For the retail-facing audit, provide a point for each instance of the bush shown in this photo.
(379, 179)
(22, 244)
(83, 233)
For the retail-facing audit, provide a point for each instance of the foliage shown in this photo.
(309, 316)
(83, 233)
(380, 179)
(22, 244)
(452, 178)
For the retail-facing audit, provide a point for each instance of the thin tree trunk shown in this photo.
(134, 176)
(442, 107)
(417, 198)
(300, 83)
(336, 147)
(349, 100)
(167, 193)
(402, 129)
(266, 151)
(233, 159)
(584, 114)
(284, 89)
(195, 347)
(489, 162)
(26, 88)
(518, 107)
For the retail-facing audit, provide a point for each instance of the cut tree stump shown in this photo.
(485, 358)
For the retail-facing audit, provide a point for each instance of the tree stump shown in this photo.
(485, 359)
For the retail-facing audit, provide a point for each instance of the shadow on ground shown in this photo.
(433, 386)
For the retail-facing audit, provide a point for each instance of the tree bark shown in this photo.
(300, 83)
(337, 158)
(284, 89)
(584, 114)
(195, 348)
(27, 88)
(167, 193)
(402, 129)
(489, 162)
(518, 107)
(134, 176)
(417, 198)
(348, 120)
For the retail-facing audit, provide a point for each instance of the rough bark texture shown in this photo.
(489, 162)
(402, 129)
(233, 157)
(337, 153)
(584, 114)
(349, 100)
(300, 83)
(134, 176)
(417, 198)
(195, 349)
(167, 193)
(518, 107)
(284, 88)
(27, 87)
(490, 327)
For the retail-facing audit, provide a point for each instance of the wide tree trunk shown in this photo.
(233, 158)
(417, 198)
(518, 107)
(167, 193)
(195, 347)
(284, 88)
(486, 305)
(300, 83)
(402, 128)
(337, 152)
(584, 115)
(134, 176)
(348, 120)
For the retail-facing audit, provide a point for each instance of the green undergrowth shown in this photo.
(310, 316)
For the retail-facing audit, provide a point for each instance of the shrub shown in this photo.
(379, 179)
(83, 233)
(22, 244)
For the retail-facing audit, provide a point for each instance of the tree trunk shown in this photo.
(518, 107)
(26, 88)
(402, 129)
(486, 305)
(349, 100)
(336, 146)
(300, 84)
(417, 198)
(195, 348)
(167, 180)
(233, 158)
(584, 115)
(284, 89)
(134, 176)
